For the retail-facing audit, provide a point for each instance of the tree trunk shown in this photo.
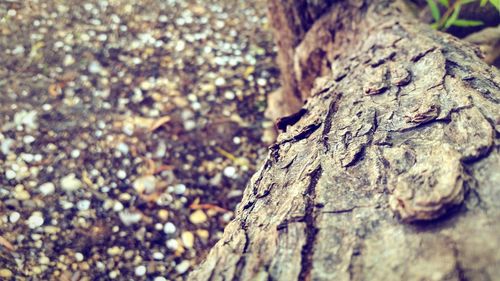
(391, 169)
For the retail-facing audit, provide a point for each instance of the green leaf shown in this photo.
(464, 2)
(434, 10)
(446, 3)
(483, 2)
(466, 23)
(496, 3)
(453, 16)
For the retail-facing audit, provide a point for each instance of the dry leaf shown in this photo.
(4, 242)
(158, 123)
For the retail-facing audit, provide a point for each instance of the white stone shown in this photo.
(160, 278)
(47, 188)
(68, 60)
(189, 125)
(95, 67)
(140, 270)
(158, 256)
(10, 175)
(230, 172)
(187, 239)
(66, 205)
(220, 81)
(27, 157)
(179, 188)
(83, 205)
(70, 183)
(180, 45)
(121, 174)
(122, 147)
(129, 218)
(14, 217)
(169, 228)
(35, 220)
(5, 146)
(229, 95)
(79, 257)
(26, 118)
(75, 153)
(28, 139)
(172, 244)
(145, 184)
(117, 206)
(182, 267)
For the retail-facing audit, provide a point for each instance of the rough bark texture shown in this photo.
(391, 171)
(291, 19)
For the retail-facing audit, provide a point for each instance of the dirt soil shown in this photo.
(128, 130)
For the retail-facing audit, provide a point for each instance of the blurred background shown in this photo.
(128, 130)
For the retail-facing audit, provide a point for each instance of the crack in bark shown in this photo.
(420, 55)
(332, 109)
(242, 260)
(266, 166)
(290, 120)
(311, 230)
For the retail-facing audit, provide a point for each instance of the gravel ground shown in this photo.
(128, 130)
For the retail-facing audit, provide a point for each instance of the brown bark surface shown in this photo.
(291, 19)
(391, 171)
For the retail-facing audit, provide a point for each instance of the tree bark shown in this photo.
(291, 19)
(390, 171)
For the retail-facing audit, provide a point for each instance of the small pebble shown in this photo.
(169, 228)
(220, 81)
(129, 218)
(229, 95)
(189, 125)
(114, 251)
(5, 146)
(75, 153)
(182, 267)
(14, 217)
(160, 278)
(163, 214)
(122, 147)
(10, 175)
(117, 206)
(79, 257)
(47, 188)
(187, 239)
(158, 256)
(179, 189)
(70, 183)
(95, 67)
(140, 270)
(128, 129)
(21, 194)
(172, 244)
(6, 273)
(83, 205)
(198, 217)
(230, 172)
(145, 184)
(35, 220)
(28, 139)
(121, 174)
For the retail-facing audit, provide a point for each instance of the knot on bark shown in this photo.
(431, 187)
